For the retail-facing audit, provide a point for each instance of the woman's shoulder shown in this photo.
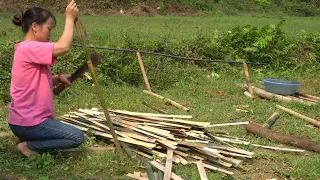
(30, 45)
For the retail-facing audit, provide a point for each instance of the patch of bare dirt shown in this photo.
(310, 86)
(94, 7)
(264, 168)
(180, 10)
(8, 176)
(142, 10)
(259, 169)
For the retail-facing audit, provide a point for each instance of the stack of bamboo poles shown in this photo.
(148, 135)
(297, 97)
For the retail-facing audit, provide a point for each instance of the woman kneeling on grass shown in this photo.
(31, 114)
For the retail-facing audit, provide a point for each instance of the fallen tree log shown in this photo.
(283, 138)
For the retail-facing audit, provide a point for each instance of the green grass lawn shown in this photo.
(110, 30)
(104, 30)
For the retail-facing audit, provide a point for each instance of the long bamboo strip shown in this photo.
(202, 124)
(130, 141)
(182, 160)
(139, 130)
(219, 161)
(139, 137)
(201, 170)
(279, 148)
(266, 147)
(168, 167)
(151, 114)
(142, 154)
(234, 154)
(217, 169)
(171, 146)
(160, 119)
(231, 149)
(228, 124)
(79, 122)
(213, 138)
(159, 154)
(80, 30)
(181, 153)
(158, 131)
(162, 168)
(233, 161)
(136, 177)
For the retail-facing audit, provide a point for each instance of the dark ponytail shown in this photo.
(34, 14)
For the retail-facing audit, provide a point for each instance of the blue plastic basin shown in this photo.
(282, 87)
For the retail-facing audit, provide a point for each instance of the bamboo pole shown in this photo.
(268, 95)
(308, 96)
(310, 120)
(128, 150)
(154, 108)
(167, 100)
(144, 74)
(246, 72)
(148, 169)
(80, 31)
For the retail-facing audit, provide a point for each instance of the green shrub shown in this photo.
(6, 56)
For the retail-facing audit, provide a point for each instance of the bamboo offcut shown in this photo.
(144, 74)
(271, 120)
(246, 72)
(167, 100)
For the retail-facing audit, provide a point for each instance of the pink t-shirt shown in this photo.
(31, 83)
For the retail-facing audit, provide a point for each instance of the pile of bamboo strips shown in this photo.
(154, 135)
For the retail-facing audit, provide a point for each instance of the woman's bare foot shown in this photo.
(18, 141)
(23, 149)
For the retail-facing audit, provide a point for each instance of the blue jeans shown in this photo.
(48, 135)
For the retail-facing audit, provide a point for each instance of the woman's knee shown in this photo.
(80, 138)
